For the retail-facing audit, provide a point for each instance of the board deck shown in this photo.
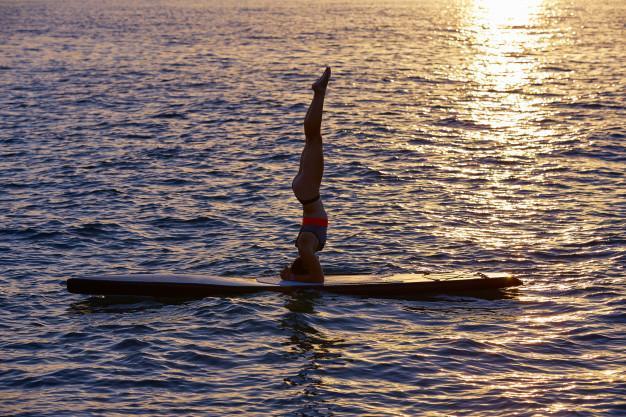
(384, 285)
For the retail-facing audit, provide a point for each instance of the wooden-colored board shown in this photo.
(185, 285)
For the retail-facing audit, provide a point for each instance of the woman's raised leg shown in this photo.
(307, 183)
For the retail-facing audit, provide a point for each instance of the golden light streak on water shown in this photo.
(502, 63)
(501, 37)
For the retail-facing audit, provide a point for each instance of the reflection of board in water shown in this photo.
(181, 285)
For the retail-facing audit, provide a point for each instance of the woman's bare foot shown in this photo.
(319, 86)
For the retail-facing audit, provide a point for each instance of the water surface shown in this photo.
(154, 136)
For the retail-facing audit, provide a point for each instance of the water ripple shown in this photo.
(458, 136)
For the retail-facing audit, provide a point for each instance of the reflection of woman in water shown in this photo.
(306, 187)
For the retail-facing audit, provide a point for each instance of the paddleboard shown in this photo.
(384, 285)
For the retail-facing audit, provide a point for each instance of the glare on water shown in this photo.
(459, 136)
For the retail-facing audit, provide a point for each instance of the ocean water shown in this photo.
(162, 136)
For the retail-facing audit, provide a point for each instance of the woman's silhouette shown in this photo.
(306, 187)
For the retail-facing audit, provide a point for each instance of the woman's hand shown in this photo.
(286, 273)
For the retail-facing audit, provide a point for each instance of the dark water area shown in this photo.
(162, 136)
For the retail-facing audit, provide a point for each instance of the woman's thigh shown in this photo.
(311, 166)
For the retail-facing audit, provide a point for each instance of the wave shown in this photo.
(455, 122)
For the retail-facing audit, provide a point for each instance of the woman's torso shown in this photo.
(315, 209)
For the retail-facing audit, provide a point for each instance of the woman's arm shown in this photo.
(312, 265)
(307, 260)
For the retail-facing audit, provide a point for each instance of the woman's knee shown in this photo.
(313, 138)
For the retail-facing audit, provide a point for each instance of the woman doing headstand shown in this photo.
(306, 187)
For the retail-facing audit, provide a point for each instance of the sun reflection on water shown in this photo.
(503, 59)
(502, 64)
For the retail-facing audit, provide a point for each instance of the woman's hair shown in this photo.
(297, 267)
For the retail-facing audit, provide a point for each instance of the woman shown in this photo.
(306, 187)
